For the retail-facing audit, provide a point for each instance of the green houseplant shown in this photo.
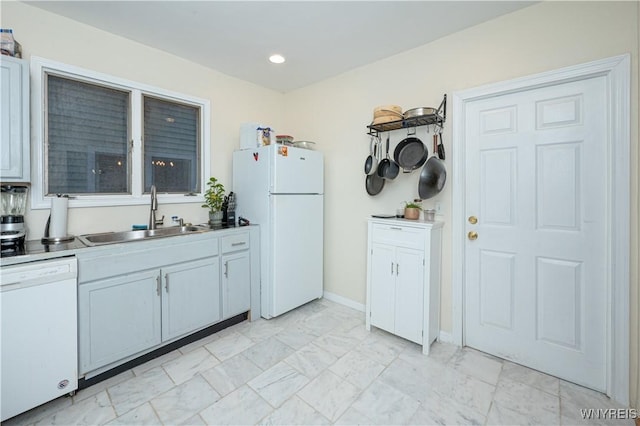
(412, 210)
(213, 199)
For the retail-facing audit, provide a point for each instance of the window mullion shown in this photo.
(136, 140)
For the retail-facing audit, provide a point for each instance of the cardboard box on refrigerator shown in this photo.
(253, 135)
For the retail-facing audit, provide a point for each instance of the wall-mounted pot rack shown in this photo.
(436, 119)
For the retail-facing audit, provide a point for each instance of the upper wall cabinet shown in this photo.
(14, 109)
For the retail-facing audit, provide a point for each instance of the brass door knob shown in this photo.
(473, 220)
(473, 235)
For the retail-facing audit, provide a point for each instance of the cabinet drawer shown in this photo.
(235, 242)
(404, 236)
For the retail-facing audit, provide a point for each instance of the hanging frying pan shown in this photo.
(410, 154)
(387, 168)
(371, 163)
(433, 175)
(374, 183)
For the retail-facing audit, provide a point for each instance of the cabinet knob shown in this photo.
(473, 220)
(473, 235)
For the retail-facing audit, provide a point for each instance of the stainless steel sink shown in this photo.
(127, 236)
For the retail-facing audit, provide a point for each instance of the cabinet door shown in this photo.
(383, 286)
(118, 317)
(409, 294)
(191, 297)
(14, 133)
(236, 284)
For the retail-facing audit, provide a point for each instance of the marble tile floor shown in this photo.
(319, 365)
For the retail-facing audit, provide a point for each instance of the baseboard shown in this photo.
(343, 301)
(445, 337)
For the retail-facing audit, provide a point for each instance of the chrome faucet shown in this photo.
(154, 207)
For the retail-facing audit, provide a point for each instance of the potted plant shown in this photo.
(412, 210)
(213, 199)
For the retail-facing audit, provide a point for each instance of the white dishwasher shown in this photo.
(39, 339)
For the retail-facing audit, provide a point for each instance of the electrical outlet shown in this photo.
(438, 207)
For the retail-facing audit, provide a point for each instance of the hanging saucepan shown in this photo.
(387, 168)
(371, 163)
(410, 154)
(374, 183)
(433, 175)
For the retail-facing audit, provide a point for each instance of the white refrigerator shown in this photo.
(280, 188)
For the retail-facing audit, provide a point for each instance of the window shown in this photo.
(87, 134)
(170, 146)
(105, 141)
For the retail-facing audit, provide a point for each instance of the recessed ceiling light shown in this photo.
(276, 59)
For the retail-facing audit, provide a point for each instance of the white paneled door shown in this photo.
(535, 278)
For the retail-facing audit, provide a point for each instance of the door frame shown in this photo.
(617, 71)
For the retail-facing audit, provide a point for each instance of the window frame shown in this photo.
(41, 67)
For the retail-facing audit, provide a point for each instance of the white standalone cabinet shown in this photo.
(403, 278)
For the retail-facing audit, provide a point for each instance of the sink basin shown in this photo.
(126, 236)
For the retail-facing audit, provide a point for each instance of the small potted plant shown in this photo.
(213, 199)
(412, 210)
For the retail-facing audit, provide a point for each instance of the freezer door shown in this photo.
(296, 170)
(297, 252)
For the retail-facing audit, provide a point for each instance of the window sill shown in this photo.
(113, 201)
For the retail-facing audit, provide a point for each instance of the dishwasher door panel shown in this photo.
(38, 343)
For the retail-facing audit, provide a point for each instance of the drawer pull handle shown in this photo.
(238, 244)
(166, 282)
(391, 268)
(158, 285)
(396, 228)
(226, 269)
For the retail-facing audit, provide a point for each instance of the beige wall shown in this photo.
(233, 101)
(335, 112)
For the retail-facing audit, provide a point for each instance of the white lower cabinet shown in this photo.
(397, 290)
(403, 279)
(236, 274)
(236, 295)
(190, 297)
(125, 315)
(136, 297)
(118, 317)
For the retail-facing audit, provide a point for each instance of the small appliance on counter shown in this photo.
(55, 231)
(229, 210)
(13, 207)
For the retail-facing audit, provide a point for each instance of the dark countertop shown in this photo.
(34, 248)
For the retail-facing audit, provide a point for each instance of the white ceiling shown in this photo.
(320, 39)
